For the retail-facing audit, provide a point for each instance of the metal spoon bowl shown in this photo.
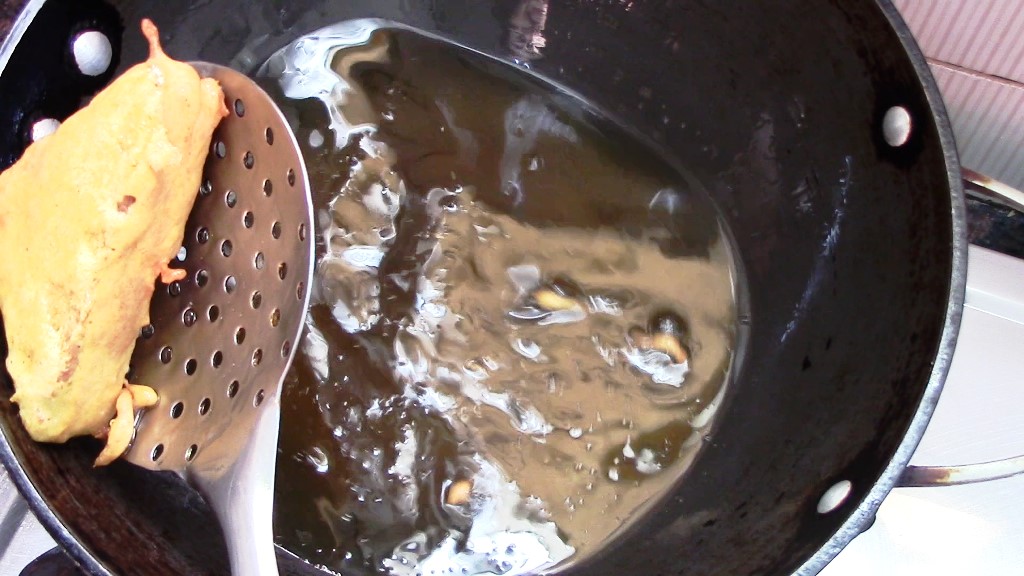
(221, 340)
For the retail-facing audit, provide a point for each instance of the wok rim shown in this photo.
(863, 516)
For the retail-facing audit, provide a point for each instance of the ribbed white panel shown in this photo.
(976, 49)
(988, 122)
(983, 35)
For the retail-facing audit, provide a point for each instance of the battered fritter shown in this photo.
(90, 216)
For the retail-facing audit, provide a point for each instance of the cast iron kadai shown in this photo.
(854, 287)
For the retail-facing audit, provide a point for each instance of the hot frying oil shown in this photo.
(521, 321)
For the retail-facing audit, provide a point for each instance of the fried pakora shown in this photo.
(90, 216)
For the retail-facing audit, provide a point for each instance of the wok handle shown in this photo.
(930, 476)
(993, 190)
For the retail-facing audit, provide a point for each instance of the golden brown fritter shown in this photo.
(90, 216)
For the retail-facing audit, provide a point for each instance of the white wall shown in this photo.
(976, 51)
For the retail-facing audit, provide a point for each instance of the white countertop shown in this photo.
(970, 529)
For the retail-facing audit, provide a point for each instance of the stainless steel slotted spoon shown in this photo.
(221, 340)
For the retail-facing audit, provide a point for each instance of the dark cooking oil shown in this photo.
(521, 322)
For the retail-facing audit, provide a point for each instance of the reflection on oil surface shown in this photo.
(521, 318)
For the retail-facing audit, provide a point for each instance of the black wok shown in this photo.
(852, 248)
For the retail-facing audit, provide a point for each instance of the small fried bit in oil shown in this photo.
(662, 342)
(459, 492)
(551, 300)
